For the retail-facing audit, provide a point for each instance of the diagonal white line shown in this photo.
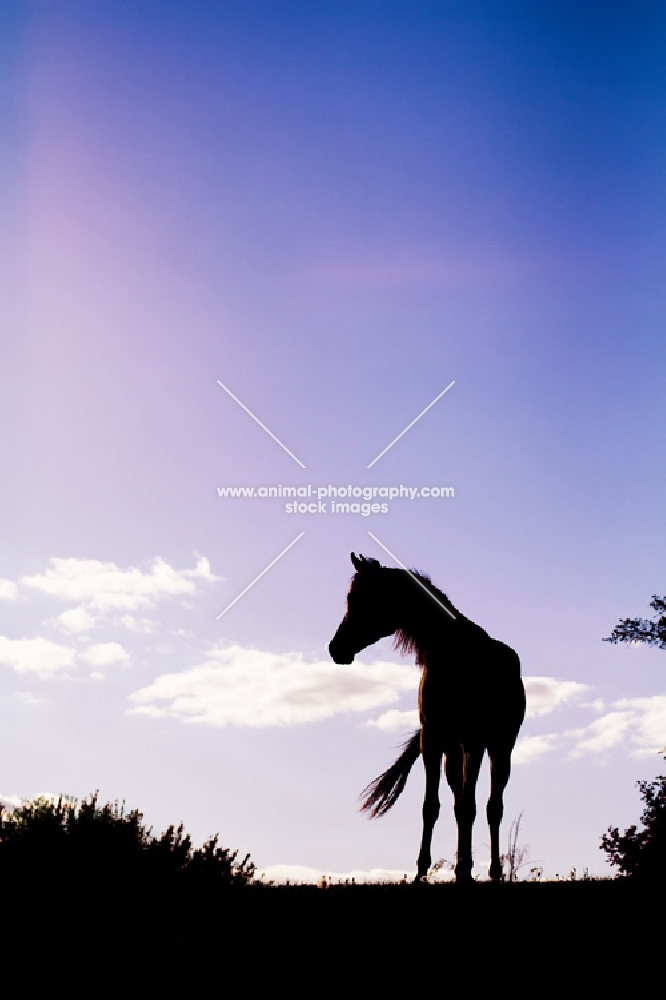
(264, 426)
(258, 577)
(408, 425)
(415, 578)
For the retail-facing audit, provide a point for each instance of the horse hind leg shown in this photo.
(500, 769)
(462, 772)
(432, 761)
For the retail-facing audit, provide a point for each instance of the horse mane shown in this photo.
(405, 640)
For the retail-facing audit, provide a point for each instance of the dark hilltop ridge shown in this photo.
(93, 884)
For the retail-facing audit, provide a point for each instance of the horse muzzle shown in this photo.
(338, 652)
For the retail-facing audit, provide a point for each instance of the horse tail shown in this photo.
(382, 793)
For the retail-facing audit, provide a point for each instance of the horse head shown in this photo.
(370, 615)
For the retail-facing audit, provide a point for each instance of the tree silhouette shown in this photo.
(653, 633)
(641, 854)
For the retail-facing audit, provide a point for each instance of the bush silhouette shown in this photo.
(62, 836)
(641, 854)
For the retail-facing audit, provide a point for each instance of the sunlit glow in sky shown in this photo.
(335, 210)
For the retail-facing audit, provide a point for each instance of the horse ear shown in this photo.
(357, 562)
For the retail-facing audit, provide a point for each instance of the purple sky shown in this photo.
(336, 210)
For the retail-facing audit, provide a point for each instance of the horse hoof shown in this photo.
(420, 880)
(464, 876)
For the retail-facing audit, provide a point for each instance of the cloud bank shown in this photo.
(42, 657)
(546, 694)
(250, 687)
(101, 588)
(301, 874)
(8, 590)
(639, 724)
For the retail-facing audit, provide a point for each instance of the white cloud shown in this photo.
(640, 722)
(8, 590)
(249, 687)
(202, 571)
(296, 874)
(649, 723)
(105, 654)
(603, 733)
(38, 656)
(134, 624)
(104, 587)
(395, 719)
(545, 694)
(530, 748)
(76, 620)
(10, 802)
(635, 724)
(28, 698)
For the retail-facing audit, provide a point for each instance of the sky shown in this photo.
(335, 211)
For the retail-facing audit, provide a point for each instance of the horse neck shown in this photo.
(424, 626)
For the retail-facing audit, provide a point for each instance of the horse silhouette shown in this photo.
(471, 700)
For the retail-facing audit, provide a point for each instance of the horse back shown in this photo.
(476, 695)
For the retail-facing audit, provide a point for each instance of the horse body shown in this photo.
(471, 700)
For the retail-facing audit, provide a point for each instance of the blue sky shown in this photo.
(336, 211)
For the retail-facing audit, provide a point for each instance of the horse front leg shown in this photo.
(462, 772)
(500, 769)
(432, 761)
